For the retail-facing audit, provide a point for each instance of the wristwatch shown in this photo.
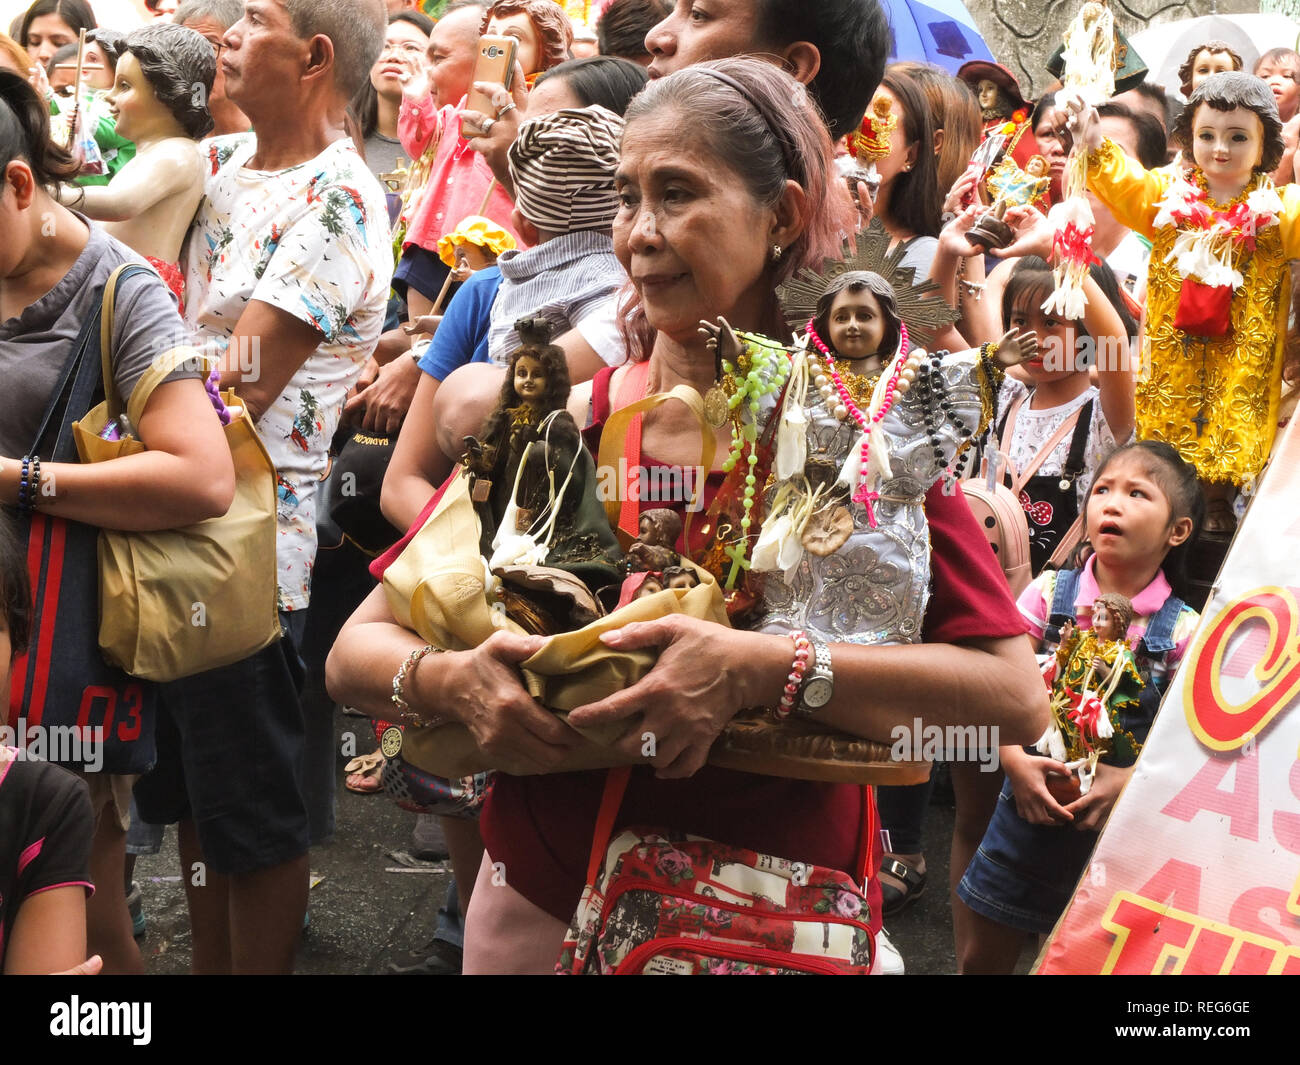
(819, 682)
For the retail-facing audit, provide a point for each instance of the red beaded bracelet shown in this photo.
(794, 682)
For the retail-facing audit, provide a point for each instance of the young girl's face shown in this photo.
(1227, 146)
(1130, 519)
(857, 327)
(1056, 341)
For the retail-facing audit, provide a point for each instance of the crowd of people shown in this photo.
(413, 284)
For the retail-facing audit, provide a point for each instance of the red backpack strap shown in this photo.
(616, 782)
(867, 845)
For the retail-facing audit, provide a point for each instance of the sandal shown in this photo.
(895, 899)
(365, 773)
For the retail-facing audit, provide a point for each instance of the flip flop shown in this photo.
(364, 773)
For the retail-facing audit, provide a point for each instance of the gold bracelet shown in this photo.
(404, 712)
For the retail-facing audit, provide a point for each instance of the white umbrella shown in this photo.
(1164, 47)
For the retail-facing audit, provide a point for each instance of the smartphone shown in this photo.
(495, 63)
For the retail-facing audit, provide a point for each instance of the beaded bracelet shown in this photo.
(29, 484)
(404, 712)
(794, 682)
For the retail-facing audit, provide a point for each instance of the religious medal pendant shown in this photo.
(481, 491)
(827, 530)
(1064, 484)
(716, 408)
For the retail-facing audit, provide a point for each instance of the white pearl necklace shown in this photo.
(830, 398)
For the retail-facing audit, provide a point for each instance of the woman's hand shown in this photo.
(40, 82)
(863, 202)
(952, 238)
(1032, 779)
(963, 192)
(681, 706)
(1034, 234)
(505, 721)
(1091, 811)
(498, 130)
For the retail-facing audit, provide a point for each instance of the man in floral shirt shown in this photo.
(288, 269)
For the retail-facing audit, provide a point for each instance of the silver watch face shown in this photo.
(817, 693)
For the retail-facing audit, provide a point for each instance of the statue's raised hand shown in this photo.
(1012, 349)
(721, 339)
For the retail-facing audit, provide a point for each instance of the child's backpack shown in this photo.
(1000, 515)
(1000, 511)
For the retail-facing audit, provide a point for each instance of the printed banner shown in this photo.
(1198, 870)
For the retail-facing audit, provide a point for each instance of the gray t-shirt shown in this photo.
(383, 153)
(35, 346)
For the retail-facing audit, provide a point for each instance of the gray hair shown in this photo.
(356, 28)
(226, 12)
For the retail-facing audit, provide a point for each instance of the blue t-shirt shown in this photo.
(462, 337)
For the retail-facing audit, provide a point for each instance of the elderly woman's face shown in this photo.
(688, 231)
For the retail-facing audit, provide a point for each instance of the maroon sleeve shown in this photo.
(969, 597)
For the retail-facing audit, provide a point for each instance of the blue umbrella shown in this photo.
(940, 32)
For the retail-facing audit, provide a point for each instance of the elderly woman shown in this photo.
(725, 182)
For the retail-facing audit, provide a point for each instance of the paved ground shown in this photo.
(363, 913)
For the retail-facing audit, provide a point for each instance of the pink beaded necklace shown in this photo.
(863, 494)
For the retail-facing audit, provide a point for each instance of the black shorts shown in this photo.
(230, 758)
(422, 270)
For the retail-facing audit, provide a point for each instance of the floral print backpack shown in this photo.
(673, 904)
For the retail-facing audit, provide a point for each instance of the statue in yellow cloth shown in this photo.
(1217, 283)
